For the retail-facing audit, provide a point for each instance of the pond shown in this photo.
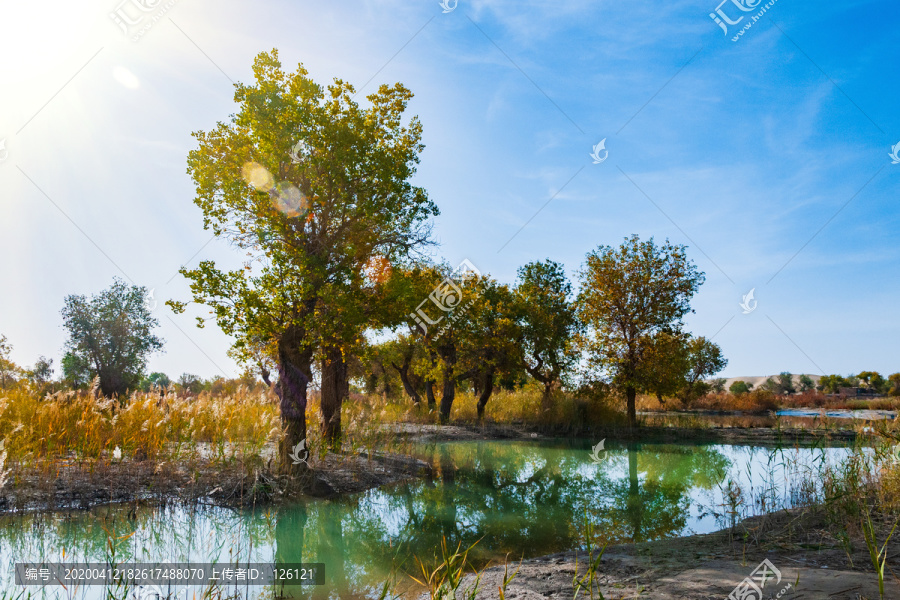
(522, 498)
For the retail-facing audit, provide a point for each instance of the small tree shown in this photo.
(9, 371)
(740, 387)
(548, 323)
(629, 294)
(112, 334)
(399, 355)
(76, 371)
(156, 380)
(489, 347)
(832, 384)
(878, 383)
(704, 359)
(665, 365)
(449, 326)
(873, 381)
(785, 383)
(894, 384)
(41, 373)
(190, 383)
(678, 364)
(806, 383)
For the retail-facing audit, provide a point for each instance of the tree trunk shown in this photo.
(403, 370)
(630, 395)
(546, 397)
(111, 383)
(429, 393)
(546, 379)
(294, 373)
(448, 393)
(334, 389)
(388, 388)
(487, 389)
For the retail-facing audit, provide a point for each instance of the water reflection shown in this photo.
(521, 498)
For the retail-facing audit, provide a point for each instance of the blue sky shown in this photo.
(767, 157)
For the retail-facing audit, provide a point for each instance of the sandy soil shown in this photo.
(811, 562)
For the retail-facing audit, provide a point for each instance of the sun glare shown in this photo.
(126, 78)
(36, 38)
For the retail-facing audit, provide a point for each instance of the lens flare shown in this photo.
(257, 176)
(289, 199)
(126, 78)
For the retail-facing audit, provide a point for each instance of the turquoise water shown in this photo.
(522, 498)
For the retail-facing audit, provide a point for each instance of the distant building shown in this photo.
(855, 392)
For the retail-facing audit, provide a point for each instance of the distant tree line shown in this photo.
(783, 384)
(871, 381)
(621, 334)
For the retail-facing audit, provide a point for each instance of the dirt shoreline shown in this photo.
(811, 564)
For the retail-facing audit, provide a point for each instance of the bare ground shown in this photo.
(813, 565)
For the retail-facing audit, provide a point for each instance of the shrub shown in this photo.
(740, 387)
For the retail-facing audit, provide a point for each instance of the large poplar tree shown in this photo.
(313, 188)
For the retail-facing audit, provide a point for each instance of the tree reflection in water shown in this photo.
(517, 498)
(509, 498)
